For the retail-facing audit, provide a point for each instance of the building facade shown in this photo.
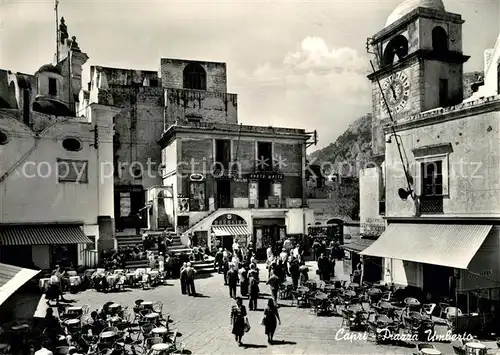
(223, 181)
(438, 168)
(56, 202)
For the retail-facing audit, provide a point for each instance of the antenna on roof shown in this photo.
(56, 5)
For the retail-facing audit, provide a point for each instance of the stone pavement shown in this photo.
(204, 322)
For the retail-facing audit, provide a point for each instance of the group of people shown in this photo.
(187, 277)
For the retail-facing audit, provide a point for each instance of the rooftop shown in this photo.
(408, 6)
(235, 129)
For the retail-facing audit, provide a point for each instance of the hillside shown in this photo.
(354, 145)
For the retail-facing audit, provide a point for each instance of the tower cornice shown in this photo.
(421, 54)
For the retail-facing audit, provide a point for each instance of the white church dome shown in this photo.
(408, 6)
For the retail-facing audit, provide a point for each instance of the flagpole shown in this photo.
(57, 30)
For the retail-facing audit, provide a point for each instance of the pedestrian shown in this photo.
(152, 260)
(322, 267)
(183, 278)
(316, 249)
(295, 272)
(274, 284)
(239, 320)
(190, 276)
(225, 269)
(254, 291)
(219, 256)
(244, 281)
(161, 264)
(232, 280)
(270, 320)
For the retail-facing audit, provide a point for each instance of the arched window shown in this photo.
(72, 144)
(439, 40)
(194, 77)
(396, 50)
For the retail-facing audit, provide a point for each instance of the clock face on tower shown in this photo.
(396, 90)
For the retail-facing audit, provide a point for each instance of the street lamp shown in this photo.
(403, 193)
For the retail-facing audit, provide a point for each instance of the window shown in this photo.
(72, 171)
(72, 144)
(443, 92)
(194, 77)
(197, 196)
(395, 50)
(4, 138)
(91, 246)
(222, 153)
(264, 156)
(439, 40)
(431, 199)
(125, 204)
(52, 86)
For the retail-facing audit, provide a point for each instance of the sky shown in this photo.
(300, 64)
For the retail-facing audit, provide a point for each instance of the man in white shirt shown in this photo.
(296, 252)
(236, 246)
(284, 255)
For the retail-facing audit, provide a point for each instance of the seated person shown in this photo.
(105, 312)
(52, 326)
(97, 323)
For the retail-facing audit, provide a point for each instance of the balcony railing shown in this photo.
(431, 204)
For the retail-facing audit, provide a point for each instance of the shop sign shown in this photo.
(266, 176)
(226, 174)
(484, 273)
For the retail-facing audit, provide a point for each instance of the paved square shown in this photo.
(204, 322)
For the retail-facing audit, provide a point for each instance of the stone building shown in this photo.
(55, 205)
(224, 180)
(438, 167)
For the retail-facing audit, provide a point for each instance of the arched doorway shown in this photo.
(229, 229)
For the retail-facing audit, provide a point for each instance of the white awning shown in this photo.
(12, 278)
(230, 230)
(450, 245)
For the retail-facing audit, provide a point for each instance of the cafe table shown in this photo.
(475, 349)
(147, 305)
(43, 284)
(4, 348)
(107, 336)
(430, 351)
(115, 308)
(160, 349)
(152, 316)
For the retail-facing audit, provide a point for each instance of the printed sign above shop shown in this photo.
(226, 174)
(267, 176)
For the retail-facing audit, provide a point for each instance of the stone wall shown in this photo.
(182, 105)
(171, 71)
(138, 128)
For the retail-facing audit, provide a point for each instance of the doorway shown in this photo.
(264, 191)
(223, 194)
(227, 242)
(436, 281)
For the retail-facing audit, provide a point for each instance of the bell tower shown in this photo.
(418, 63)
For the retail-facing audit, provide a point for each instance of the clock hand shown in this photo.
(393, 92)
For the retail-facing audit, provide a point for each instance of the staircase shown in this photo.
(129, 238)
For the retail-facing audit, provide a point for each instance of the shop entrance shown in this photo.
(438, 281)
(267, 233)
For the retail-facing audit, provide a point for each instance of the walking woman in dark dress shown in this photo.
(238, 320)
(271, 318)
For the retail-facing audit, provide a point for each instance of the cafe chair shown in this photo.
(428, 309)
(442, 309)
(152, 341)
(158, 307)
(62, 350)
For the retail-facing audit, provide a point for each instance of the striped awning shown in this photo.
(42, 235)
(231, 229)
(12, 278)
(450, 245)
